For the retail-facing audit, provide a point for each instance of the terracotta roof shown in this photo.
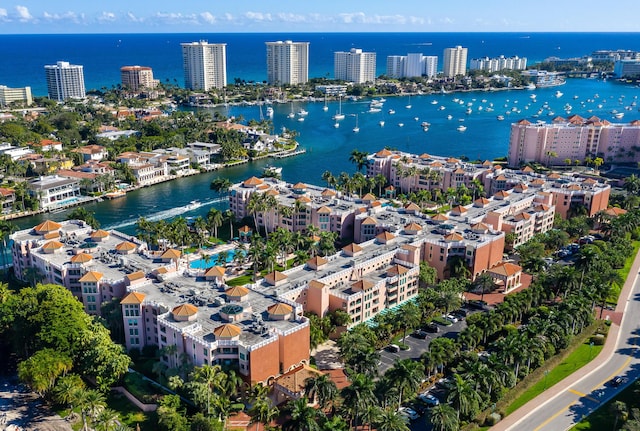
(99, 234)
(253, 181)
(385, 236)
(294, 380)
(501, 178)
(52, 245)
(317, 261)
(228, 330)
(126, 246)
(91, 277)
(524, 123)
(507, 269)
(272, 192)
(482, 201)
(362, 285)
(215, 271)
(275, 276)
(574, 187)
(479, 226)
(487, 163)
(368, 197)
(501, 194)
(527, 169)
(425, 156)
(304, 199)
(497, 167)
(439, 217)
(324, 210)
(413, 226)
(553, 176)
(184, 310)
(459, 171)
(81, 258)
(538, 182)
(316, 284)
(328, 192)
(299, 186)
(412, 206)
(353, 248)
(452, 160)
(237, 291)
(280, 309)
(396, 270)
(522, 216)
(6, 192)
(615, 211)
(369, 220)
(47, 226)
(459, 209)
(244, 229)
(390, 188)
(138, 275)
(171, 254)
(383, 153)
(453, 237)
(51, 235)
(133, 298)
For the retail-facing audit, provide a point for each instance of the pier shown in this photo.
(289, 154)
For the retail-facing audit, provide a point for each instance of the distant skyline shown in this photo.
(288, 16)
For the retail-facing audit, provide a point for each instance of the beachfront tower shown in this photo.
(287, 62)
(455, 61)
(137, 78)
(205, 65)
(65, 81)
(355, 66)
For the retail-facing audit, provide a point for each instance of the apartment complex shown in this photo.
(11, 95)
(137, 78)
(627, 68)
(412, 65)
(497, 64)
(574, 138)
(204, 65)
(455, 61)
(287, 62)
(165, 302)
(355, 66)
(65, 81)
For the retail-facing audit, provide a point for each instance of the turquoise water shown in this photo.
(202, 264)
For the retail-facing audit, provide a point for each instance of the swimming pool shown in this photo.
(202, 264)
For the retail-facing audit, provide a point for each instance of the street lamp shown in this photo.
(546, 372)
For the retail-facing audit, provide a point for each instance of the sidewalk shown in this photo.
(607, 352)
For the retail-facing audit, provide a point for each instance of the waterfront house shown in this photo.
(92, 152)
(52, 191)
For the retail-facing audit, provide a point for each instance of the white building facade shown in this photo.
(497, 64)
(412, 65)
(455, 61)
(287, 62)
(205, 65)
(65, 81)
(10, 95)
(355, 66)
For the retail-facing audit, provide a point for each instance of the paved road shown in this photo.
(565, 404)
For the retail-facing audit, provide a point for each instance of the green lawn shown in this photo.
(580, 357)
(624, 273)
(130, 415)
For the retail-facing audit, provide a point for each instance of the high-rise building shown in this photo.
(65, 81)
(205, 65)
(287, 62)
(496, 64)
(455, 61)
(355, 66)
(10, 95)
(136, 78)
(412, 65)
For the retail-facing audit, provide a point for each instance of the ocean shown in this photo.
(102, 55)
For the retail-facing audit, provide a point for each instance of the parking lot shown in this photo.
(417, 346)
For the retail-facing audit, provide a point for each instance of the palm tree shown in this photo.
(443, 417)
(321, 388)
(380, 180)
(632, 184)
(357, 396)
(262, 411)
(211, 378)
(406, 375)
(214, 221)
(303, 416)
(106, 420)
(391, 420)
(329, 178)
(91, 403)
(549, 155)
(221, 185)
(463, 398)
(66, 390)
(359, 158)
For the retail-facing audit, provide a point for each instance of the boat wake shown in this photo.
(167, 214)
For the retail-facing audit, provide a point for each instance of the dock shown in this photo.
(289, 154)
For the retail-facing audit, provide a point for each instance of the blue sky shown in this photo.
(164, 16)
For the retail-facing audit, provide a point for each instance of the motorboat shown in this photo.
(461, 128)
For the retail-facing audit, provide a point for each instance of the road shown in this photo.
(565, 404)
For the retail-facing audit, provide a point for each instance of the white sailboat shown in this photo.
(356, 129)
(291, 114)
(409, 104)
(325, 107)
(339, 115)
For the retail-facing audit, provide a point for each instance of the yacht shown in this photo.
(409, 104)
(356, 129)
(619, 115)
(272, 170)
(381, 122)
(270, 112)
(500, 117)
(400, 124)
(291, 114)
(449, 117)
(391, 112)
(462, 128)
(559, 93)
(336, 125)
(339, 115)
(434, 102)
(302, 113)
(325, 107)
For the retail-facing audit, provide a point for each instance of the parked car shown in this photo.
(409, 413)
(432, 327)
(617, 381)
(393, 348)
(428, 399)
(451, 318)
(420, 334)
(460, 312)
(477, 304)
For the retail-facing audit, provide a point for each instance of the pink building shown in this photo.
(573, 138)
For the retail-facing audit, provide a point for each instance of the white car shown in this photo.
(428, 399)
(451, 318)
(409, 413)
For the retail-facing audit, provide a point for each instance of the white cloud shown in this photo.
(291, 17)
(208, 17)
(23, 14)
(258, 16)
(174, 18)
(4, 16)
(446, 20)
(68, 16)
(362, 18)
(228, 17)
(107, 17)
(131, 17)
